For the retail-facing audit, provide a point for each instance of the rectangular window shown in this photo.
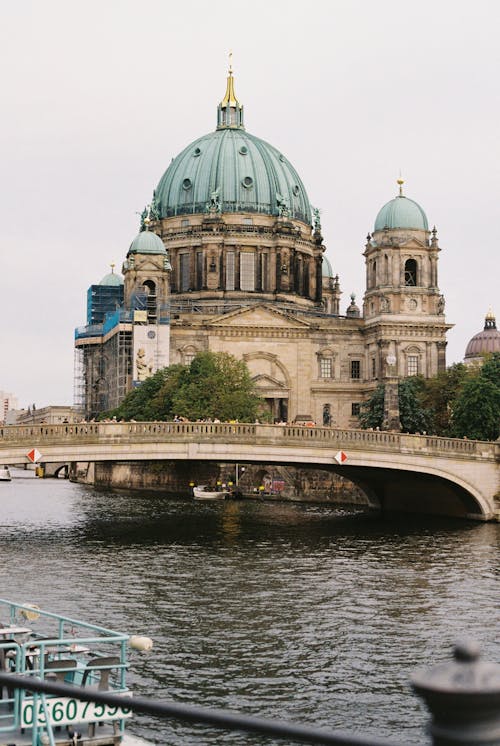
(374, 368)
(230, 270)
(199, 270)
(184, 223)
(412, 365)
(247, 271)
(247, 221)
(184, 259)
(325, 367)
(355, 408)
(263, 272)
(356, 369)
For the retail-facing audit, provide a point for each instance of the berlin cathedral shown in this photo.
(230, 257)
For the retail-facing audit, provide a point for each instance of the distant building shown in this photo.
(51, 415)
(485, 342)
(7, 401)
(230, 257)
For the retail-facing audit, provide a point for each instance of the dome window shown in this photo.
(244, 150)
(187, 184)
(197, 152)
(247, 182)
(296, 190)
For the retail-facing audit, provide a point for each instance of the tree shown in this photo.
(439, 395)
(476, 413)
(214, 385)
(141, 403)
(414, 416)
(217, 385)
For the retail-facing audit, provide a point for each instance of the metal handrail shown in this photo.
(223, 719)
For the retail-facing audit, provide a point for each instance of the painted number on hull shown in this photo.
(63, 711)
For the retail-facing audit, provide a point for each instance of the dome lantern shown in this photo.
(230, 111)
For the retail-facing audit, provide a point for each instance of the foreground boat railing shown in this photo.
(463, 697)
(44, 647)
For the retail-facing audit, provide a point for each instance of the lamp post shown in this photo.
(391, 419)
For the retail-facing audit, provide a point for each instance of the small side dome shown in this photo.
(353, 311)
(326, 268)
(147, 242)
(112, 280)
(401, 212)
(485, 342)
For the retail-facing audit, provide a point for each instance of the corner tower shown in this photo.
(403, 306)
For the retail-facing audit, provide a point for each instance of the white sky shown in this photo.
(98, 96)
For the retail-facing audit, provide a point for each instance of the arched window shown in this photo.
(410, 272)
(327, 417)
(150, 290)
(374, 273)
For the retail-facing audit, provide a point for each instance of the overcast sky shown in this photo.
(98, 97)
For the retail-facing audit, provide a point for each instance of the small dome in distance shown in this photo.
(112, 280)
(147, 242)
(401, 212)
(485, 342)
(326, 268)
(353, 310)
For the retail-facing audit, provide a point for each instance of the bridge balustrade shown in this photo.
(279, 434)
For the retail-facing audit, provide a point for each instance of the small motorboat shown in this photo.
(5, 474)
(203, 492)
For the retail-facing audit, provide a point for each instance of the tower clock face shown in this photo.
(412, 304)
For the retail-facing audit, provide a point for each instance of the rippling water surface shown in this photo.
(282, 610)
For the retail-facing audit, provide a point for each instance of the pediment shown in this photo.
(260, 316)
(263, 381)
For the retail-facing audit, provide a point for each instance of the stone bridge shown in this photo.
(398, 472)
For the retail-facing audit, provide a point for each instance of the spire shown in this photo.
(490, 320)
(401, 182)
(230, 111)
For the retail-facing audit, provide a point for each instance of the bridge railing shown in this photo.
(93, 432)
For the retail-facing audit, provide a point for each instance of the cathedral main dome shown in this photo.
(234, 170)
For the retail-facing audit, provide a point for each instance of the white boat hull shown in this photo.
(201, 493)
(4, 474)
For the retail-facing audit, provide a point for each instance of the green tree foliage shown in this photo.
(414, 416)
(439, 395)
(476, 413)
(217, 385)
(214, 385)
(463, 401)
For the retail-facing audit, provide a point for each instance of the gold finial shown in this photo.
(230, 96)
(400, 181)
(112, 265)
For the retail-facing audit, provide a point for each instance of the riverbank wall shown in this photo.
(176, 478)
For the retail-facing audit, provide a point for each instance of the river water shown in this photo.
(292, 611)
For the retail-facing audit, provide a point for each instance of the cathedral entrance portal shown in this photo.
(278, 408)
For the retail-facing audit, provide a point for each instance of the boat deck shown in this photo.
(59, 649)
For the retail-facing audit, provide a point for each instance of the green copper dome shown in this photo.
(230, 170)
(112, 280)
(401, 212)
(147, 242)
(326, 268)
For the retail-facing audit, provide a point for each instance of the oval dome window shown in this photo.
(187, 184)
(247, 182)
